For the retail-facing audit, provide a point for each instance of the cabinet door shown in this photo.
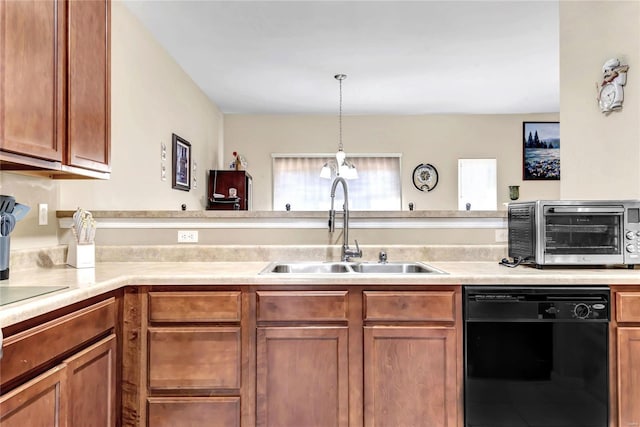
(92, 385)
(302, 376)
(37, 403)
(88, 85)
(628, 376)
(32, 78)
(410, 376)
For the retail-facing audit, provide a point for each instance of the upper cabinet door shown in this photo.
(88, 85)
(32, 78)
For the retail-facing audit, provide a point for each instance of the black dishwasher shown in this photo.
(536, 356)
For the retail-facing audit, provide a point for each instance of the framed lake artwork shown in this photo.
(540, 151)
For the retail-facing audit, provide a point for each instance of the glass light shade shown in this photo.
(340, 156)
(326, 171)
(350, 172)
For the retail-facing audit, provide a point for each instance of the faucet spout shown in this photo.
(346, 251)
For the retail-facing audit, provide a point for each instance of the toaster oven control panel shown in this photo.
(632, 235)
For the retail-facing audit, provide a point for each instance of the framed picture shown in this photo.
(181, 164)
(540, 151)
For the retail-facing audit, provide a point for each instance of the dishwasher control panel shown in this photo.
(536, 303)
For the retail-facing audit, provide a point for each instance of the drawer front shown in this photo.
(308, 306)
(194, 306)
(194, 411)
(428, 306)
(29, 349)
(194, 358)
(628, 306)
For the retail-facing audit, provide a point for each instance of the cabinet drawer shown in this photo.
(310, 306)
(194, 411)
(33, 347)
(431, 306)
(194, 358)
(194, 306)
(628, 306)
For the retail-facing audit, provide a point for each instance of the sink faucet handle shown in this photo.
(358, 251)
(382, 257)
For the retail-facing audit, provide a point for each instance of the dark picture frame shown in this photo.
(181, 163)
(540, 151)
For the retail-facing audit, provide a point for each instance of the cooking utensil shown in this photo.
(7, 203)
(10, 213)
(7, 223)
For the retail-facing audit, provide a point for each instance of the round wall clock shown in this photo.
(425, 177)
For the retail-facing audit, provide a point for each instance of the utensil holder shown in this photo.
(81, 255)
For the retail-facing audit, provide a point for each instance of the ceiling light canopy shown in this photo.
(341, 166)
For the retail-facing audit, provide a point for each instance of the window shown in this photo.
(477, 184)
(297, 182)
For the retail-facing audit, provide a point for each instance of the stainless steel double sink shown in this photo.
(315, 267)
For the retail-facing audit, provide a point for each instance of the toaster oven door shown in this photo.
(583, 235)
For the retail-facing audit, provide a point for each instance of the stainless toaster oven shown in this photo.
(572, 232)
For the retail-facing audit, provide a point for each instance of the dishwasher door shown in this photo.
(536, 356)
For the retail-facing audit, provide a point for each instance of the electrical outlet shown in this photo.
(187, 236)
(43, 214)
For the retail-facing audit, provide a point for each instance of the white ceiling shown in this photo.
(401, 57)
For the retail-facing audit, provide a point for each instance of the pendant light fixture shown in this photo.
(340, 165)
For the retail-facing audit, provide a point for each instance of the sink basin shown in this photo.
(395, 268)
(350, 268)
(306, 268)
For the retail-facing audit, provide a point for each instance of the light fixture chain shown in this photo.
(340, 119)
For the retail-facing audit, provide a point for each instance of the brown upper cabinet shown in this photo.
(55, 87)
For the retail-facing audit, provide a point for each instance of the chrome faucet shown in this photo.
(347, 252)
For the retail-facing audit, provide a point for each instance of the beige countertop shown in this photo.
(108, 276)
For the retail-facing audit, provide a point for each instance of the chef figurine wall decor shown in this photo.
(610, 92)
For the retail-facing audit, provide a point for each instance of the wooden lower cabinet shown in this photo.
(625, 338)
(410, 376)
(628, 376)
(40, 402)
(302, 377)
(190, 368)
(292, 357)
(91, 378)
(78, 392)
(62, 372)
(194, 411)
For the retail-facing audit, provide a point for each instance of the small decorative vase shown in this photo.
(514, 192)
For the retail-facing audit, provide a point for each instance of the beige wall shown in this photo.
(151, 98)
(437, 139)
(600, 154)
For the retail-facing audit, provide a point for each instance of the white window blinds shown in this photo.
(297, 182)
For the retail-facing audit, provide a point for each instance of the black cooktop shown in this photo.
(11, 294)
